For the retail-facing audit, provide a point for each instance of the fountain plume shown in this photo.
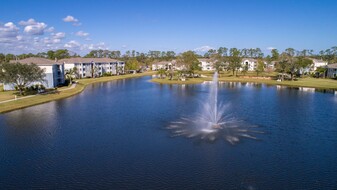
(213, 121)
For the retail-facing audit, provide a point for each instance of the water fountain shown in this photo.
(213, 121)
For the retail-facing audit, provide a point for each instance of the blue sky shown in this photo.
(36, 25)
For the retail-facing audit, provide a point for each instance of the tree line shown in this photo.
(134, 59)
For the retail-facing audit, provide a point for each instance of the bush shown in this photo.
(107, 74)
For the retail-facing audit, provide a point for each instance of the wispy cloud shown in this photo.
(70, 19)
(33, 27)
(73, 20)
(203, 48)
(82, 34)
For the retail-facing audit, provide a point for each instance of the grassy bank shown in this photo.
(175, 81)
(302, 82)
(40, 99)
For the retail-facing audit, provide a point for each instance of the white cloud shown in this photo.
(124, 46)
(8, 30)
(82, 34)
(203, 48)
(72, 44)
(70, 19)
(270, 48)
(100, 45)
(28, 22)
(50, 29)
(73, 20)
(33, 27)
(32, 37)
(77, 24)
(19, 38)
(55, 41)
(59, 35)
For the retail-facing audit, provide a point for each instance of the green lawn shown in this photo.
(7, 95)
(39, 99)
(226, 77)
(302, 82)
(175, 81)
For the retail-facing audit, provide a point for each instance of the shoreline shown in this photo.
(80, 86)
(320, 84)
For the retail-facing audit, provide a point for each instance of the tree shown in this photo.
(132, 64)
(2, 57)
(51, 54)
(282, 65)
(190, 60)
(76, 73)
(21, 75)
(292, 63)
(274, 55)
(161, 73)
(61, 54)
(303, 62)
(260, 67)
(71, 73)
(234, 60)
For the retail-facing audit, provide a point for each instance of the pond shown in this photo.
(114, 136)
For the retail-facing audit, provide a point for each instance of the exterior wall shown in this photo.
(250, 63)
(319, 63)
(207, 66)
(58, 74)
(68, 66)
(332, 73)
(53, 77)
(156, 67)
(85, 69)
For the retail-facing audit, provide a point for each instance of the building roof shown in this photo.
(205, 60)
(88, 60)
(249, 59)
(35, 60)
(332, 66)
(163, 62)
(318, 61)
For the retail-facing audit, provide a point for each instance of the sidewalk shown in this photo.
(61, 90)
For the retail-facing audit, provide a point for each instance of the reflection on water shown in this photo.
(213, 121)
(38, 122)
(111, 137)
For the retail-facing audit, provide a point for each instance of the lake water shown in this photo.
(113, 136)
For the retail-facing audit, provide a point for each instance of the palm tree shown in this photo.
(69, 75)
(161, 73)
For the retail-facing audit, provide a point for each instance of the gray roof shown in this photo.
(249, 59)
(318, 60)
(332, 66)
(35, 60)
(164, 62)
(204, 59)
(88, 60)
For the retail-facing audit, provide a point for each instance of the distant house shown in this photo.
(318, 63)
(332, 70)
(160, 65)
(167, 65)
(207, 64)
(94, 67)
(250, 63)
(54, 72)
